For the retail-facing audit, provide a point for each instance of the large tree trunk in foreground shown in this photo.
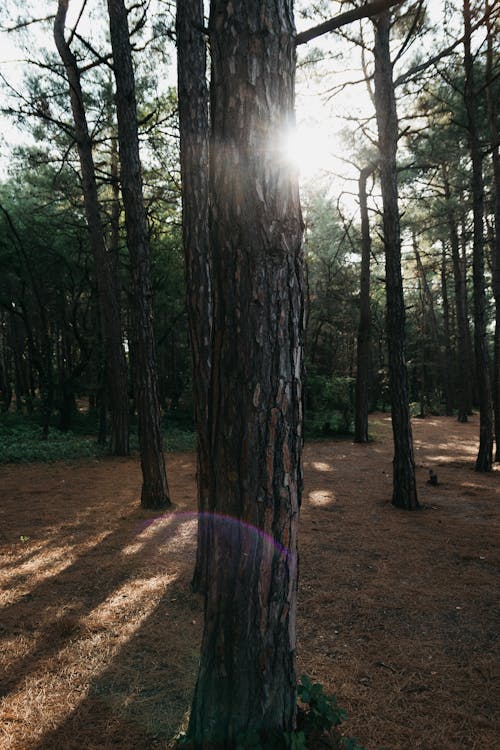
(116, 365)
(194, 132)
(364, 327)
(484, 459)
(404, 486)
(154, 489)
(247, 679)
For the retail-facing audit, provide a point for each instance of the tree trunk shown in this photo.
(495, 156)
(463, 383)
(450, 391)
(5, 363)
(193, 126)
(364, 327)
(247, 679)
(116, 365)
(155, 488)
(422, 358)
(404, 485)
(471, 365)
(485, 455)
(428, 305)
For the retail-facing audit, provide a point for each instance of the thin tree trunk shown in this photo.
(495, 156)
(463, 383)
(471, 364)
(404, 485)
(421, 363)
(428, 303)
(247, 678)
(155, 492)
(364, 327)
(5, 364)
(450, 390)
(485, 455)
(194, 132)
(116, 365)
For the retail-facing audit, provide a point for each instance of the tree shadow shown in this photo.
(54, 611)
(140, 700)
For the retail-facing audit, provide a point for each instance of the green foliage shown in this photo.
(322, 711)
(329, 405)
(21, 442)
(349, 743)
(176, 439)
(333, 288)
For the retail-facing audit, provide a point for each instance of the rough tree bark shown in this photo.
(116, 365)
(364, 327)
(484, 459)
(154, 493)
(404, 485)
(247, 679)
(492, 22)
(194, 131)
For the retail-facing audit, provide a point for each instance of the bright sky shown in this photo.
(317, 147)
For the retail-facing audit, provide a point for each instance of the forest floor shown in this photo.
(398, 612)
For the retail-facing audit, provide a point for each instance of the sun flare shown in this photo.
(309, 147)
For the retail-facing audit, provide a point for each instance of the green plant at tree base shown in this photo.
(317, 714)
(322, 712)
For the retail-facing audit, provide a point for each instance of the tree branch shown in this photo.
(30, 22)
(366, 11)
(409, 36)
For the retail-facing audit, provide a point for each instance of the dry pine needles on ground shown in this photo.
(398, 612)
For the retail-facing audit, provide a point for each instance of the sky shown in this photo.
(317, 146)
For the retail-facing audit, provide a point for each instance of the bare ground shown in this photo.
(398, 612)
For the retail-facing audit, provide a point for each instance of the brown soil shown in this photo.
(398, 612)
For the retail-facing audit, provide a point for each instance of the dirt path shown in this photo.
(398, 612)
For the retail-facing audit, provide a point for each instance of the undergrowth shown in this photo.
(318, 717)
(21, 441)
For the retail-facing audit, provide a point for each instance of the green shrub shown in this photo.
(21, 441)
(329, 405)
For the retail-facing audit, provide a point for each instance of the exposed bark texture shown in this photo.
(364, 327)
(154, 488)
(247, 677)
(116, 365)
(492, 23)
(485, 454)
(194, 132)
(404, 486)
